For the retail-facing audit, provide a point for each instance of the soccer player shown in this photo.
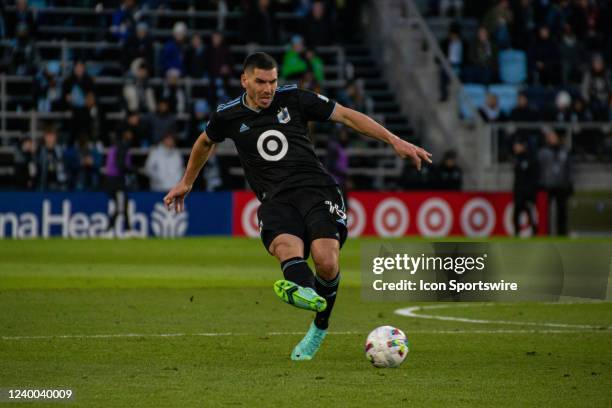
(302, 209)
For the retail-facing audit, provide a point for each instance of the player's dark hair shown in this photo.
(259, 60)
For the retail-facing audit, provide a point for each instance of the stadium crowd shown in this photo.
(552, 57)
(73, 157)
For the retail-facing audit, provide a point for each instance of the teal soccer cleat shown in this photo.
(310, 344)
(304, 298)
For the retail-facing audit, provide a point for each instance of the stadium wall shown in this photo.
(87, 215)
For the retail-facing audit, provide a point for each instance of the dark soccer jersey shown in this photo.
(273, 143)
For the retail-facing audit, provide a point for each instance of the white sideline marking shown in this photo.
(136, 335)
(412, 312)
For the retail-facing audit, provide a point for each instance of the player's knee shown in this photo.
(327, 265)
(285, 250)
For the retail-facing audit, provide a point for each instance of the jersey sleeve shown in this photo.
(316, 107)
(214, 128)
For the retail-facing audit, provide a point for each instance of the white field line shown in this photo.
(227, 334)
(412, 312)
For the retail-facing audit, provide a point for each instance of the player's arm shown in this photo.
(201, 151)
(365, 125)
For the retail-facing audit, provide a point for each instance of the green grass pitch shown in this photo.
(195, 322)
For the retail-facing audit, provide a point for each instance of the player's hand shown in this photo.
(177, 197)
(416, 154)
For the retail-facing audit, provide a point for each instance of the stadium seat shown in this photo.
(476, 94)
(513, 66)
(506, 96)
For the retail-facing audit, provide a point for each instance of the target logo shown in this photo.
(435, 218)
(272, 145)
(523, 221)
(391, 218)
(478, 218)
(356, 218)
(249, 218)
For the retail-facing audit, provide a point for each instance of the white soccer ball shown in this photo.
(386, 346)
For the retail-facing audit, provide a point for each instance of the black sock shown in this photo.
(297, 270)
(328, 290)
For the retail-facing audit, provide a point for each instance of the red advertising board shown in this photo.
(427, 214)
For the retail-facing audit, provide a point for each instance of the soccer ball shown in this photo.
(386, 346)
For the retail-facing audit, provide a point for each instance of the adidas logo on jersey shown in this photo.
(244, 128)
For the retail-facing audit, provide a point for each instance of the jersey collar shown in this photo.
(247, 106)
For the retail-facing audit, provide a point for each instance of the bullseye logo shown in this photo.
(391, 218)
(523, 221)
(356, 218)
(435, 218)
(272, 145)
(477, 218)
(249, 218)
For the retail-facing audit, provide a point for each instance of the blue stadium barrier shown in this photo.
(87, 215)
(513, 66)
(506, 96)
(476, 93)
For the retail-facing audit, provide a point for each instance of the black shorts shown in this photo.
(308, 212)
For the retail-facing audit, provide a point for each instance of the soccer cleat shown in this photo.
(304, 298)
(310, 344)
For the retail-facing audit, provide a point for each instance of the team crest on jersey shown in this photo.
(283, 115)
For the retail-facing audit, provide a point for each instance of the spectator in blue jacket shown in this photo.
(173, 54)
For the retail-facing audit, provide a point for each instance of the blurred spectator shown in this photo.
(77, 86)
(525, 187)
(483, 59)
(450, 8)
(2, 20)
(138, 94)
(580, 112)
(118, 172)
(173, 54)
(220, 69)
(124, 21)
(20, 56)
(490, 111)
(51, 169)
(337, 159)
(162, 122)
(195, 58)
(164, 165)
(25, 164)
(597, 87)
(544, 59)
(212, 174)
(318, 27)
(258, 23)
(556, 177)
(220, 60)
(173, 92)
(47, 88)
(83, 161)
(556, 15)
(87, 119)
(572, 54)
(298, 60)
(22, 16)
(524, 18)
(139, 46)
(453, 48)
(523, 111)
(198, 121)
(140, 128)
(497, 21)
(352, 95)
(449, 175)
(563, 107)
